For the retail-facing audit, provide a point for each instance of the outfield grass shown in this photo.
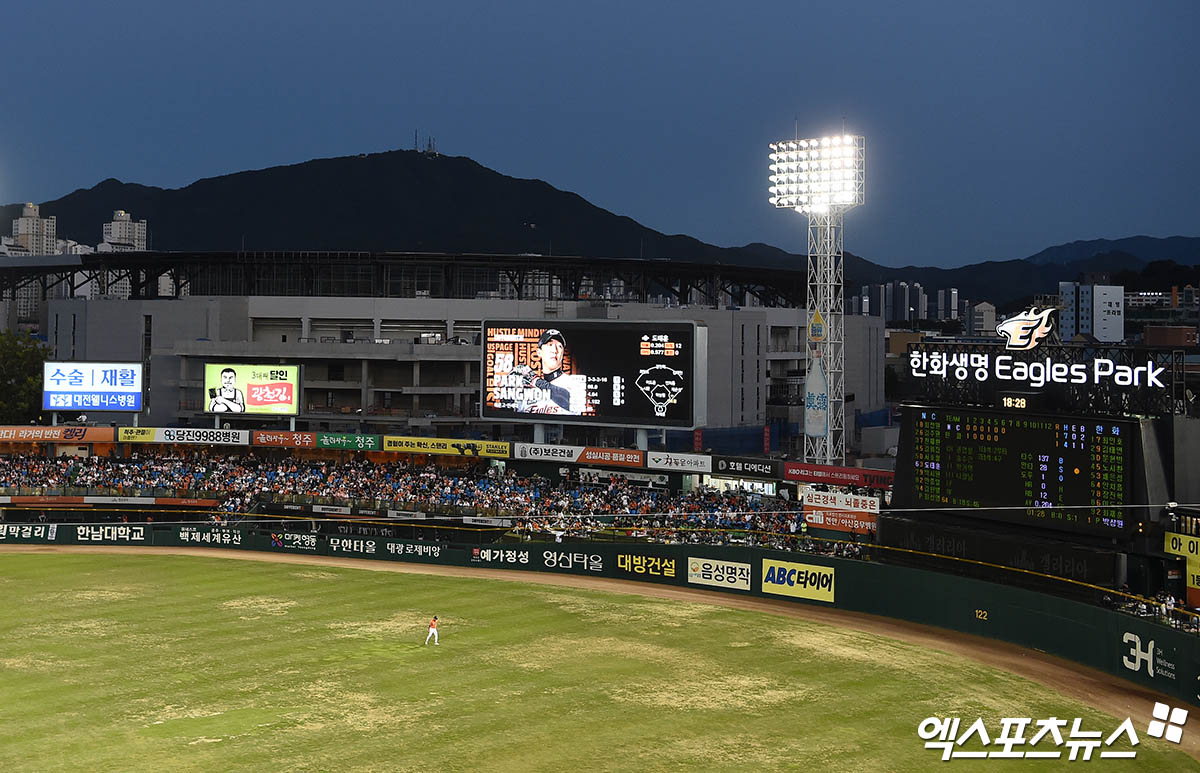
(120, 662)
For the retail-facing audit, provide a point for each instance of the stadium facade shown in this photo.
(391, 342)
(413, 364)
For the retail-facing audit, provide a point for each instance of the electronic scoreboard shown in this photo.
(1062, 472)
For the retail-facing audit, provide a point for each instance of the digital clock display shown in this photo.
(1058, 472)
(1017, 401)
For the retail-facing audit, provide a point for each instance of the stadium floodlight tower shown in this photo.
(821, 178)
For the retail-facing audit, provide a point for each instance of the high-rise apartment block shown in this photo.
(124, 234)
(37, 234)
(1092, 310)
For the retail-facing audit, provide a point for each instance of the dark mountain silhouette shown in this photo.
(1184, 250)
(411, 201)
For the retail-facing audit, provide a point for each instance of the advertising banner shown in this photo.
(854, 513)
(118, 534)
(613, 457)
(640, 566)
(816, 399)
(216, 536)
(349, 442)
(642, 477)
(1188, 548)
(695, 463)
(747, 467)
(404, 550)
(304, 543)
(802, 581)
(446, 446)
(631, 373)
(21, 434)
(570, 561)
(838, 476)
(97, 386)
(191, 435)
(28, 532)
(500, 556)
(269, 389)
(547, 452)
(280, 438)
(718, 573)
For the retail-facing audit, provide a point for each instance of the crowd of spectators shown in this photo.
(594, 506)
(540, 504)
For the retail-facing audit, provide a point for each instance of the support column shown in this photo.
(539, 433)
(377, 328)
(306, 327)
(643, 439)
(416, 406)
(364, 395)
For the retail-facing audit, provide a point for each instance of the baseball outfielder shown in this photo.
(432, 631)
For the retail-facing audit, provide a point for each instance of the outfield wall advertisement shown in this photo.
(802, 581)
(1147, 653)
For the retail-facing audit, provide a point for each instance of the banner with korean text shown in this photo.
(838, 476)
(446, 446)
(22, 434)
(694, 463)
(190, 435)
(96, 386)
(802, 581)
(834, 510)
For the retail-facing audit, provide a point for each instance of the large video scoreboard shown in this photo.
(1062, 472)
(616, 373)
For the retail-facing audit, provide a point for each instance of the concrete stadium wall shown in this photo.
(1147, 653)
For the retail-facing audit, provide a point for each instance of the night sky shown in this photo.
(993, 129)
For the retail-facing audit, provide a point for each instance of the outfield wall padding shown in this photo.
(1148, 653)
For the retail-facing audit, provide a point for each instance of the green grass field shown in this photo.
(125, 662)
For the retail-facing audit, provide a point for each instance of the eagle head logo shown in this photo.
(1027, 329)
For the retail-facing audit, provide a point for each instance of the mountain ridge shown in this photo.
(404, 200)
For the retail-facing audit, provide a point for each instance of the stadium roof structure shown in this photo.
(408, 275)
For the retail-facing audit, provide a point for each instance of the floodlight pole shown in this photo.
(821, 178)
(825, 299)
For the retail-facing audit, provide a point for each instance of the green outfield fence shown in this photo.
(1149, 654)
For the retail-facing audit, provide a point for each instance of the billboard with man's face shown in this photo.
(273, 390)
(614, 373)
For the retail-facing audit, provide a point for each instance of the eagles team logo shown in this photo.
(1026, 330)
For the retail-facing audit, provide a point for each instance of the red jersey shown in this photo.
(433, 623)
